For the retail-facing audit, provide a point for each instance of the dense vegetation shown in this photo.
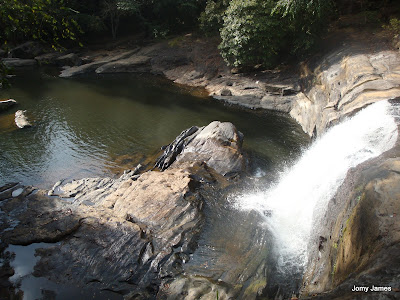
(253, 32)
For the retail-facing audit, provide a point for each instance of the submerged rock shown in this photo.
(218, 144)
(6, 104)
(21, 120)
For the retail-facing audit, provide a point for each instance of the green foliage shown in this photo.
(251, 34)
(211, 19)
(265, 31)
(393, 26)
(308, 20)
(45, 20)
(115, 9)
(170, 16)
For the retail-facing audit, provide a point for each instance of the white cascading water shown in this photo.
(304, 190)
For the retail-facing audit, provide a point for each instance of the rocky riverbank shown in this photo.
(130, 236)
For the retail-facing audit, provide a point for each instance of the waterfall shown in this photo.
(304, 190)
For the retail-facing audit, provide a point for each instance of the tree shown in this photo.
(251, 34)
(308, 20)
(211, 19)
(48, 21)
(265, 31)
(115, 9)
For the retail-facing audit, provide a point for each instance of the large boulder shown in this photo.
(125, 234)
(218, 144)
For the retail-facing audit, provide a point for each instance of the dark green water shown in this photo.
(95, 126)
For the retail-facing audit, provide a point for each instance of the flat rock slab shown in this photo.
(91, 67)
(132, 64)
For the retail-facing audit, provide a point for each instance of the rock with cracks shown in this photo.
(217, 144)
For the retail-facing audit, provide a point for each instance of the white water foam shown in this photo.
(305, 189)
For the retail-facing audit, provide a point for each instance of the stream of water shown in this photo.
(304, 189)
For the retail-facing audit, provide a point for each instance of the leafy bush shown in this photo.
(393, 26)
(211, 19)
(265, 31)
(44, 20)
(251, 34)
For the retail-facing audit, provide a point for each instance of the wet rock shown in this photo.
(21, 120)
(19, 62)
(217, 144)
(27, 50)
(6, 104)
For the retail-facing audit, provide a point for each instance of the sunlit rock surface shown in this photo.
(343, 83)
(217, 144)
(130, 235)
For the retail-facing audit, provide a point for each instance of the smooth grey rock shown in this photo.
(21, 120)
(19, 62)
(6, 104)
